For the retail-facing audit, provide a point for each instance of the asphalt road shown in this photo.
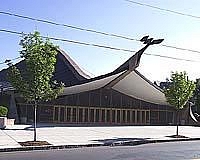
(159, 151)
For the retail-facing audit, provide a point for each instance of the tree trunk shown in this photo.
(35, 120)
(177, 122)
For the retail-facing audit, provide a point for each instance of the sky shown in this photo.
(115, 17)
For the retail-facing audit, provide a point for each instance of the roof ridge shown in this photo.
(74, 64)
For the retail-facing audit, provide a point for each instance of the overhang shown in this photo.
(137, 86)
(90, 85)
(133, 84)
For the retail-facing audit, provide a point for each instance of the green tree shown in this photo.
(3, 111)
(179, 92)
(34, 82)
(196, 97)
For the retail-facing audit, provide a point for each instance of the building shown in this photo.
(122, 97)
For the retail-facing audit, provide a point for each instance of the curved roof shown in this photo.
(125, 79)
(73, 64)
(130, 83)
(90, 85)
(137, 86)
(66, 70)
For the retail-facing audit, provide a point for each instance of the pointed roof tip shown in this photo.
(132, 63)
(74, 64)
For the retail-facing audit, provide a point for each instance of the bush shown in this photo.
(3, 111)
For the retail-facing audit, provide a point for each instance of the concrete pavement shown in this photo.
(66, 135)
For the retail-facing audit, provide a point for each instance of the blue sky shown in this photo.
(112, 16)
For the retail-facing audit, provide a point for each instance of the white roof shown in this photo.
(90, 85)
(133, 84)
(137, 86)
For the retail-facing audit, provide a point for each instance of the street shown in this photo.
(159, 151)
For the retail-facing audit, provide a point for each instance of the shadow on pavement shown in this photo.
(19, 129)
(118, 141)
(30, 127)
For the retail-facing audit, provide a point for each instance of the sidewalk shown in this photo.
(62, 135)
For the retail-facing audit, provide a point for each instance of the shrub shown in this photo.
(3, 111)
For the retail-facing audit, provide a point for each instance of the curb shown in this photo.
(48, 147)
(134, 143)
(58, 147)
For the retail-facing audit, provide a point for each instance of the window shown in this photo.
(91, 115)
(113, 116)
(118, 116)
(147, 117)
(123, 116)
(62, 114)
(133, 116)
(103, 115)
(128, 116)
(86, 115)
(97, 115)
(68, 114)
(154, 117)
(74, 115)
(94, 98)
(56, 110)
(80, 115)
(143, 117)
(108, 116)
(138, 116)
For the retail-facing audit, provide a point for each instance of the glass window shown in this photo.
(103, 115)
(91, 115)
(170, 117)
(124, 116)
(62, 114)
(162, 117)
(108, 116)
(138, 116)
(45, 113)
(80, 115)
(56, 113)
(154, 117)
(143, 117)
(113, 116)
(86, 115)
(118, 116)
(68, 114)
(97, 115)
(133, 116)
(128, 116)
(74, 115)
(147, 117)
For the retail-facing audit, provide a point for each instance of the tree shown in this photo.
(179, 92)
(196, 97)
(3, 111)
(34, 82)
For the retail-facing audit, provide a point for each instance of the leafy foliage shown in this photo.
(34, 82)
(196, 97)
(3, 111)
(179, 90)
